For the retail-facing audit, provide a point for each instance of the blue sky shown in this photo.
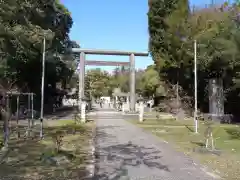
(113, 24)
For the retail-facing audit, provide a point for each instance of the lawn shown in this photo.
(180, 134)
(39, 159)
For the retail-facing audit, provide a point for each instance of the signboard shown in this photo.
(117, 91)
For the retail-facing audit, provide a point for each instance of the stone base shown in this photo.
(204, 150)
(130, 112)
(225, 118)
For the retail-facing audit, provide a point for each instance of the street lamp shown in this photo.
(42, 88)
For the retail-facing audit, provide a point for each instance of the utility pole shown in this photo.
(178, 103)
(42, 88)
(195, 86)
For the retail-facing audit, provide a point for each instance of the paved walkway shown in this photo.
(126, 152)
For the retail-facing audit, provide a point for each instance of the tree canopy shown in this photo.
(173, 27)
(23, 26)
(101, 83)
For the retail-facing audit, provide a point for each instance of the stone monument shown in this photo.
(216, 99)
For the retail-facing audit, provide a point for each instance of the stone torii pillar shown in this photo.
(132, 83)
(81, 77)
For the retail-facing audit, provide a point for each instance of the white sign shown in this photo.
(117, 90)
(69, 102)
(126, 107)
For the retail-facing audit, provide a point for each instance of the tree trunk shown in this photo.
(6, 116)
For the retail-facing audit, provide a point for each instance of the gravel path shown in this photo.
(125, 152)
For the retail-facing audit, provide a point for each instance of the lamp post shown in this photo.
(42, 88)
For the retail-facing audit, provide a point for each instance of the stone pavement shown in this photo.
(125, 152)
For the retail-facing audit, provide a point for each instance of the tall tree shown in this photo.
(97, 83)
(216, 30)
(23, 26)
(150, 81)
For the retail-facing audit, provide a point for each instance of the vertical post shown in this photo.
(195, 86)
(177, 99)
(42, 88)
(32, 109)
(81, 80)
(132, 83)
(18, 132)
(29, 122)
(83, 109)
(141, 111)
(89, 104)
(6, 122)
(116, 102)
(128, 105)
(123, 108)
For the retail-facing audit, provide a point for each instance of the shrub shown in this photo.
(58, 139)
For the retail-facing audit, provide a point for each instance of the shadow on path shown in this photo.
(114, 161)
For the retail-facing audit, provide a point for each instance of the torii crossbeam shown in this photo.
(106, 63)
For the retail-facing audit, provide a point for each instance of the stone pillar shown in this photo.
(89, 105)
(123, 108)
(141, 111)
(216, 98)
(151, 105)
(132, 83)
(81, 79)
(128, 106)
(83, 113)
(116, 98)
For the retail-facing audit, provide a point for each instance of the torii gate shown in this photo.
(131, 63)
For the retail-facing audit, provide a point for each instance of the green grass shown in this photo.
(64, 122)
(26, 160)
(181, 135)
